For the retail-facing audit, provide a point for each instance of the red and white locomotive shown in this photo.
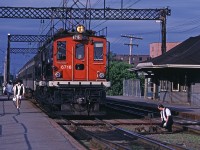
(69, 72)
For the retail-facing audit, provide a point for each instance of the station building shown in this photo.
(174, 76)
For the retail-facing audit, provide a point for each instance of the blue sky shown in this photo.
(183, 23)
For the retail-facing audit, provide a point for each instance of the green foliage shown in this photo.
(118, 71)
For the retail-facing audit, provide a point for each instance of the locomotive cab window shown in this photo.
(98, 51)
(61, 50)
(79, 51)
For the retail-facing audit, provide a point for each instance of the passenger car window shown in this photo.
(61, 50)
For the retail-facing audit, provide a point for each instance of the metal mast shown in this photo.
(89, 14)
(85, 14)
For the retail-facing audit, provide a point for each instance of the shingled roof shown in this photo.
(188, 52)
(184, 55)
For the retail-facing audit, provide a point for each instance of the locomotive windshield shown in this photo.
(61, 50)
(98, 51)
(79, 51)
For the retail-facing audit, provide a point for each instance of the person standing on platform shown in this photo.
(166, 118)
(19, 92)
(9, 89)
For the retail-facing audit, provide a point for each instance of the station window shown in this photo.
(163, 85)
(175, 86)
(61, 50)
(79, 51)
(98, 51)
(184, 88)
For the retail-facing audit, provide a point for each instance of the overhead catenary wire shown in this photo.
(185, 27)
(133, 3)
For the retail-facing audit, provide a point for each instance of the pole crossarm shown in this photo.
(24, 50)
(131, 44)
(28, 38)
(83, 13)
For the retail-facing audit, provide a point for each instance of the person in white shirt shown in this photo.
(166, 118)
(9, 89)
(19, 92)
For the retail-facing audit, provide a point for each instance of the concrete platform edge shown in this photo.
(67, 136)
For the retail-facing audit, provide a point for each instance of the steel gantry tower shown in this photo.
(85, 14)
(89, 14)
(21, 38)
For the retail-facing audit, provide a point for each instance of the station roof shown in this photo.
(184, 55)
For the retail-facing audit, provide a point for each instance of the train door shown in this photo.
(80, 61)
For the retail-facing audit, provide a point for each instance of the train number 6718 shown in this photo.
(66, 67)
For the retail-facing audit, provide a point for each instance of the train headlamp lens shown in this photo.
(80, 28)
(58, 74)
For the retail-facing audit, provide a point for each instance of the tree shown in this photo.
(118, 71)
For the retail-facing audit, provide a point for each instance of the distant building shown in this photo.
(155, 48)
(135, 58)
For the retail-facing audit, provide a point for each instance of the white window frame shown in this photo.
(178, 87)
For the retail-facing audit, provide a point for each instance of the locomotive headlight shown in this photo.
(58, 75)
(80, 28)
(101, 75)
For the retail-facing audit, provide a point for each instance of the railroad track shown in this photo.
(103, 135)
(131, 109)
(98, 133)
(179, 122)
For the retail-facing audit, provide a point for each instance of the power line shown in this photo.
(134, 3)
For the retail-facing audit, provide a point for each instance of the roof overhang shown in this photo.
(150, 65)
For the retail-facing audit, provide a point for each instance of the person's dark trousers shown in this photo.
(8, 94)
(169, 127)
(169, 124)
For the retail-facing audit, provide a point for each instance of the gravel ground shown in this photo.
(190, 141)
(187, 140)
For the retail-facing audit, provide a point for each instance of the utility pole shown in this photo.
(131, 45)
(163, 33)
(8, 60)
(122, 4)
(65, 19)
(5, 70)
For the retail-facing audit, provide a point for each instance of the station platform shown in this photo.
(29, 129)
(185, 111)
